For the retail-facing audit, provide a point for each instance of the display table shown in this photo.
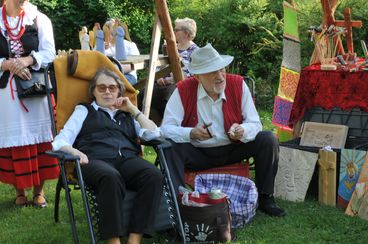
(139, 62)
(329, 89)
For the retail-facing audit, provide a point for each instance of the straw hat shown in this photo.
(206, 59)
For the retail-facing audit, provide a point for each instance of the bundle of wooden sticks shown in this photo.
(324, 39)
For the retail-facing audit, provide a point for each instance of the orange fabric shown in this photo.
(72, 90)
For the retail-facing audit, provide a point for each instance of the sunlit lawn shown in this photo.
(306, 222)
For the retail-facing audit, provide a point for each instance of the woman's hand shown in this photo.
(83, 159)
(108, 45)
(165, 81)
(18, 66)
(161, 82)
(124, 104)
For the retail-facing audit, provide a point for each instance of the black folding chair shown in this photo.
(61, 76)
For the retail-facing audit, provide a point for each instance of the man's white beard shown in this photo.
(219, 90)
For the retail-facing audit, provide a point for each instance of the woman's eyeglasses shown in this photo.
(103, 88)
(178, 29)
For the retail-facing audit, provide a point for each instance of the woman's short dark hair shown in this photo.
(107, 72)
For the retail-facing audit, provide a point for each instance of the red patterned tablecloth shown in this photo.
(329, 89)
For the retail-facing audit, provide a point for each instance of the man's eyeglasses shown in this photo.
(103, 88)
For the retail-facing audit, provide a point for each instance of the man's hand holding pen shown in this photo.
(201, 132)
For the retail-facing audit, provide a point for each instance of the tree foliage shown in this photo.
(250, 30)
(68, 16)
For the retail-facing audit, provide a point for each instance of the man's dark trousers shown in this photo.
(264, 149)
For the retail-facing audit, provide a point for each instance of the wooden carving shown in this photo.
(327, 178)
(294, 173)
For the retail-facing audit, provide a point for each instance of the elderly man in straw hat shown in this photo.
(211, 121)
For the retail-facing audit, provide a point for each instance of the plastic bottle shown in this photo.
(216, 193)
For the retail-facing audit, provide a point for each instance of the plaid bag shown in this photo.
(241, 192)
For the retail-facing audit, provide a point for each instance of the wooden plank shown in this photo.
(155, 45)
(145, 58)
(163, 72)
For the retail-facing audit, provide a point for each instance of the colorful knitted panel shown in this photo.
(288, 83)
(281, 112)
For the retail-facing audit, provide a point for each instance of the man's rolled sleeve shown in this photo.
(251, 122)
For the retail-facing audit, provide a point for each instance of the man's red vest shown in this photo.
(231, 107)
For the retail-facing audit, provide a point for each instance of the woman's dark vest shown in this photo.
(29, 41)
(103, 138)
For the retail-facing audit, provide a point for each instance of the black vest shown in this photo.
(29, 40)
(103, 138)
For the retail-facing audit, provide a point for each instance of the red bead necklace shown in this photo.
(9, 29)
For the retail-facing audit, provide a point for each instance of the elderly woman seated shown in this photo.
(104, 135)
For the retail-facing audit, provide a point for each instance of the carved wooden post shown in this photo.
(172, 50)
(327, 178)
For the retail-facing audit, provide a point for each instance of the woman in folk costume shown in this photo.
(26, 42)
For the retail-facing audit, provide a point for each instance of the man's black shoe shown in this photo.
(268, 205)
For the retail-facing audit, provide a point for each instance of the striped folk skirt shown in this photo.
(27, 166)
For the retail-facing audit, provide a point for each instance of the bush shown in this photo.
(250, 30)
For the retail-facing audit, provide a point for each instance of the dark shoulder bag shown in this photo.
(34, 87)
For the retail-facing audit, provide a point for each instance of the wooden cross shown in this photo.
(349, 24)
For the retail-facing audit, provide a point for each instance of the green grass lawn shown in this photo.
(306, 222)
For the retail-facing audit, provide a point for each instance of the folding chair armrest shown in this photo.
(163, 145)
(62, 155)
(153, 142)
(157, 143)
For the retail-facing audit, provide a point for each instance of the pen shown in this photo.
(206, 127)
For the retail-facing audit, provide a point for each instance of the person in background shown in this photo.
(104, 135)
(26, 43)
(211, 121)
(130, 48)
(185, 31)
